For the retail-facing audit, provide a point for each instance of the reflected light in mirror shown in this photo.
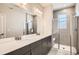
(37, 10)
(22, 5)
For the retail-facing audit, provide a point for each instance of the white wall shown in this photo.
(77, 9)
(48, 18)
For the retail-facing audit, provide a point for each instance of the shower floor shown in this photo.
(66, 51)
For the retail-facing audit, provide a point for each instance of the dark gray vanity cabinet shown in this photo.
(21, 51)
(40, 47)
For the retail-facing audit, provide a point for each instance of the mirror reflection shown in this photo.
(30, 24)
(15, 21)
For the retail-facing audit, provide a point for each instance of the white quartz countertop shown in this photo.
(10, 44)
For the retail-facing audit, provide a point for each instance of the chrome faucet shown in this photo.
(18, 38)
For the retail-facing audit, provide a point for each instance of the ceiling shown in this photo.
(57, 6)
(46, 4)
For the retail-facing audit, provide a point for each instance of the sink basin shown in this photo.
(5, 40)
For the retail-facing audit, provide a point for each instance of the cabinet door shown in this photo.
(20, 51)
(36, 51)
(49, 40)
(44, 46)
(36, 48)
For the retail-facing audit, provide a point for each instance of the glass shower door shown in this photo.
(62, 34)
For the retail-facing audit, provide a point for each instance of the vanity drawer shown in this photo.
(20, 51)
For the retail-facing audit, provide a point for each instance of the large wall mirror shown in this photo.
(16, 22)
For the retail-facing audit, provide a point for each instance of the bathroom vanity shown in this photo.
(28, 45)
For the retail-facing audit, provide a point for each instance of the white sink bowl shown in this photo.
(6, 40)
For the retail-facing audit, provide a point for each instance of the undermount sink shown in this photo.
(5, 40)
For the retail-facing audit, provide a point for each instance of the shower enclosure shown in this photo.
(65, 31)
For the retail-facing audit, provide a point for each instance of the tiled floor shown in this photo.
(55, 51)
(66, 51)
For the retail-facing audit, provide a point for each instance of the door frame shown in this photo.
(3, 18)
